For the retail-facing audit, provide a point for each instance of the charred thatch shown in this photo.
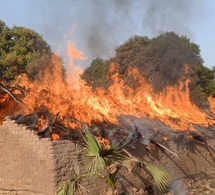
(45, 124)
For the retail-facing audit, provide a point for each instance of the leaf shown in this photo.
(161, 177)
(68, 187)
(128, 164)
(90, 157)
(91, 143)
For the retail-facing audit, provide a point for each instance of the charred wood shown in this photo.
(52, 126)
(44, 132)
(5, 89)
(29, 120)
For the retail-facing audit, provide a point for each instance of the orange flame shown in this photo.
(42, 123)
(104, 142)
(76, 101)
(165, 138)
(55, 136)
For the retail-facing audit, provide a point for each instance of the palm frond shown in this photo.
(121, 144)
(73, 184)
(68, 187)
(91, 143)
(90, 156)
(160, 176)
(129, 164)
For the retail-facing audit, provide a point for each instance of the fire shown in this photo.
(212, 104)
(165, 138)
(42, 123)
(189, 136)
(55, 136)
(73, 71)
(104, 142)
(78, 104)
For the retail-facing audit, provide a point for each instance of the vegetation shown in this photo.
(161, 61)
(22, 50)
(96, 74)
(206, 79)
(105, 162)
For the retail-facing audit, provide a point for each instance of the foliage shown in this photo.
(22, 50)
(160, 60)
(95, 75)
(206, 79)
(105, 162)
(202, 85)
(73, 184)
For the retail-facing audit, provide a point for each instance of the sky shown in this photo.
(97, 27)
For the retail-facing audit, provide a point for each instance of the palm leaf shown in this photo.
(91, 143)
(161, 177)
(90, 156)
(68, 187)
(128, 164)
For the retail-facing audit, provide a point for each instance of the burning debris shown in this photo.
(129, 130)
(46, 125)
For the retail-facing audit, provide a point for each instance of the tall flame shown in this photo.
(73, 71)
(78, 103)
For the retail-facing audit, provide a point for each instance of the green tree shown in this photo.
(132, 52)
(160, 60)
(22, 50)
(205, 78)
(202, 85)
(95, 75)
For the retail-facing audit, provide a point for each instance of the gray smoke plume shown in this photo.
(173, 15)
(178, 188)
(101, 25)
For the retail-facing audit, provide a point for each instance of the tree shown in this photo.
(160, 60)
(206, 79)
(202, 85)
(22, 50)
(95, 75)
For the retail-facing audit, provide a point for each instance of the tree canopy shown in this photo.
(161, 59)
(96, 74)
(22, 50)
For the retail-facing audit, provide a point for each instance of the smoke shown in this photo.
(178, 188)
(173, 15)
(100, 26)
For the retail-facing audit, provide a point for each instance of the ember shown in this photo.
(55, 136)
(165, 138)
(104, 142)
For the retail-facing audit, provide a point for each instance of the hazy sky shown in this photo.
(98, 26)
